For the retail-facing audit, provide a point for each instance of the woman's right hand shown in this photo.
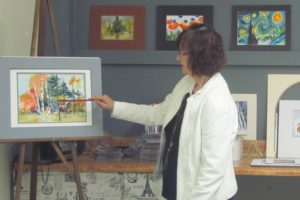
(103, 101)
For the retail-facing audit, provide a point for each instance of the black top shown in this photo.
(170, 156)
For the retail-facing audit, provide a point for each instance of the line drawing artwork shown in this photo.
(50, 98)
(242, 115)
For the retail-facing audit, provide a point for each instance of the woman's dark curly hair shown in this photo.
(204, 47)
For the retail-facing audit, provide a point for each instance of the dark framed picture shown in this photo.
(117, 27)
(261, 28)
(172, 20)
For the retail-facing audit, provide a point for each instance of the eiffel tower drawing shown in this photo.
(147, 191)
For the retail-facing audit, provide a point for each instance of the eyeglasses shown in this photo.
(182, 53)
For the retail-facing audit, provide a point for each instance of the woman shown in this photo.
(199, 119)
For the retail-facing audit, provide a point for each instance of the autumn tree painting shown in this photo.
(51, 97)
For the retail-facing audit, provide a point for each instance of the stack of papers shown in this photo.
(276, 162)
(150, 147)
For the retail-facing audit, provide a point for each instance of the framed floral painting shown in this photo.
(172, 20)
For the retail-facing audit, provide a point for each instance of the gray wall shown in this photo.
(144, 76)
(16, 19)
(148, 75)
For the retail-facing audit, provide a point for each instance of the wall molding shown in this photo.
(153, 57)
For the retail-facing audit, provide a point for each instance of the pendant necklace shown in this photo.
(47, 189)
(178, 121)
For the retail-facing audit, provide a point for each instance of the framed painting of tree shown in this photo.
(117, 27)
(261, 28)
(47, 99)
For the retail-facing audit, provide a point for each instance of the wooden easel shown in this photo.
(73, 169)
(37, 47)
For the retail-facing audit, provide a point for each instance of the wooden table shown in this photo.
(87, 163)
(242, 167)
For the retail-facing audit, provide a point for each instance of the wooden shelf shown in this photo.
(242, 167)
(87, 163)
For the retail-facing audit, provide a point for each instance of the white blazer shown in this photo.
(205, 165)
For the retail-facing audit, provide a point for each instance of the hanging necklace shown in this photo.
(47, 189)
(178, 121)
(196, 88)
(199, 84)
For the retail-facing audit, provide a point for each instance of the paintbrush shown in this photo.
(70, 100)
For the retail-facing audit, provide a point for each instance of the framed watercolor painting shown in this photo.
(247, 108)
(117, 27)
(46, 98)
(172, 20)
(261, 28)
(289, 129)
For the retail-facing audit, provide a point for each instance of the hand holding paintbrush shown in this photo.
(103, 101)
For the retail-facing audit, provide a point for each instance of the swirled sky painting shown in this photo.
(261, 28)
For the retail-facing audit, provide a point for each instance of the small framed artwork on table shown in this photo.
(172, 20)
(117, 27)
(289, 129)
(261, 28)
(246, 107)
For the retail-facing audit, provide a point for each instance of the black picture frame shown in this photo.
(265, 42)
(163, 11)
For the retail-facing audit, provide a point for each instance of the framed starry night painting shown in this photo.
(261, 28)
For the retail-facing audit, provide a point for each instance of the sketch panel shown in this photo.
(246, 108)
